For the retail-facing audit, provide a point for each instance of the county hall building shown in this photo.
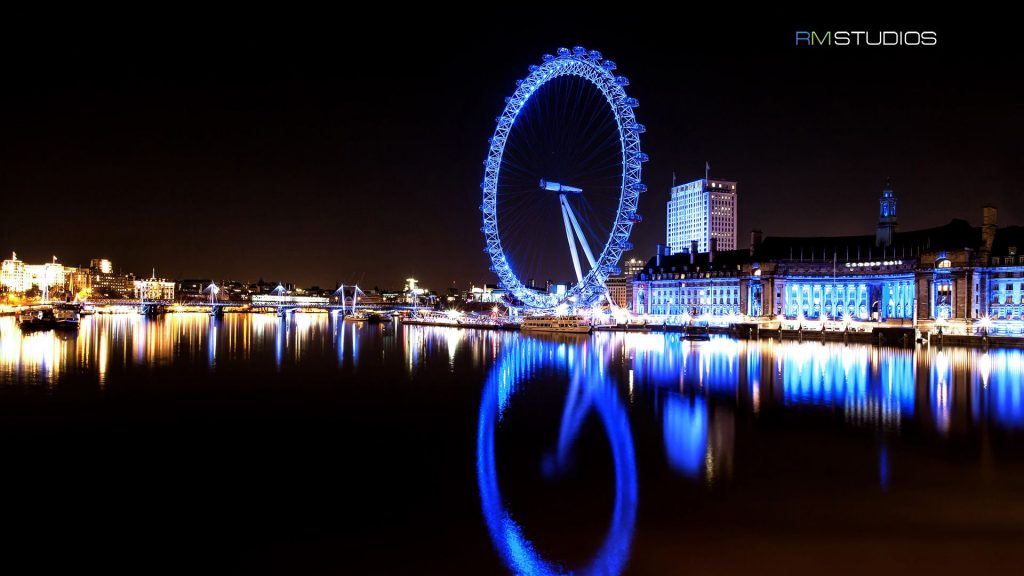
(955, 273)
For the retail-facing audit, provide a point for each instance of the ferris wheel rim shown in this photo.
(589, 66)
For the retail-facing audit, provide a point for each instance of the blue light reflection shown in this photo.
(685, 423)
(588, 389)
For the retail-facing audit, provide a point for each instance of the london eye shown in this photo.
(562, 180)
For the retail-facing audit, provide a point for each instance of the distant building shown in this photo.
(101, 266)
(192, 289)
(12, 275)
(620, 290)
(235, 291)
(690, 284)
(104, 283)
(112, 286)
(700, 211)
(370, 297)
(51, 279)
(487, 293)
(632, 266)
(264, 287)
(154, 289)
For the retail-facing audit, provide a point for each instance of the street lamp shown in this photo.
(985, 324)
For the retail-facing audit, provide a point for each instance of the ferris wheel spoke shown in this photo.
(579, 232)
(572, 242)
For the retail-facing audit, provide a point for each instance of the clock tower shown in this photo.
(886, 216)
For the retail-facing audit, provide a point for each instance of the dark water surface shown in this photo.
(308, 445)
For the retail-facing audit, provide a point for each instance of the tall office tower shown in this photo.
(702, 210)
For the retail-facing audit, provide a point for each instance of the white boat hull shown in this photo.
(569, 330)
(556, 324)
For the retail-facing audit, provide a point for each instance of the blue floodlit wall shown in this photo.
(892, 296)
(1006, 297)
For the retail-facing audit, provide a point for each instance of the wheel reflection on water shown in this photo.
(589, 388)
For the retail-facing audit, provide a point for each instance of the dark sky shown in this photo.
(292, 148)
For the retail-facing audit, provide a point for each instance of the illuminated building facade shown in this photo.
(633, 265)
(486, 293)
(620, 290)
(13, 276)
(700, 211)
(955, 273)
(154, 289)
(101, 266)
(51, 278)
(112, 285)
(690, 284)
(104, 283)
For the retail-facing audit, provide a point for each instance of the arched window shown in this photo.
(944, 263)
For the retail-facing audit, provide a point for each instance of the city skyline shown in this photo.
(305, 160)
(526, 289)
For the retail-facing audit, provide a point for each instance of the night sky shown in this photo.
(291, 149)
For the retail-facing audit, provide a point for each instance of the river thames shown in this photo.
(307, 444)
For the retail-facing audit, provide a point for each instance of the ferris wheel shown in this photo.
(563, 167)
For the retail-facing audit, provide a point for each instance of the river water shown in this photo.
(312, 445)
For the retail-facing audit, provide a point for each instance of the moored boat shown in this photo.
(697, 333)
(67, 316)
(560, 324)
(36, 318)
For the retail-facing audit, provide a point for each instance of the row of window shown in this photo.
(998, 298)
(1006, 313)
(1007, 260)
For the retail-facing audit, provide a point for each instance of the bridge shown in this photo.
(277, 301)
(219, 308)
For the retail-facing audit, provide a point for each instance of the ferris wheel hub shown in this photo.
(560, 188)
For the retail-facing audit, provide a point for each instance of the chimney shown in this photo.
(755, 242)
(989, 220)
(693, 251)
(657, 255)
(712, 249)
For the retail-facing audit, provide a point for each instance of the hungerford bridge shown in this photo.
(277, 301)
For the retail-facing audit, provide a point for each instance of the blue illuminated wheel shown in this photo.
(563, 167)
